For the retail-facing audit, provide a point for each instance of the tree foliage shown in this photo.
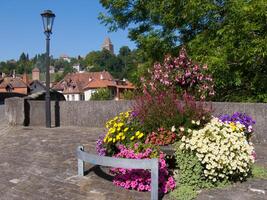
(228, 35)
(102, 94)
(120, 66)
(104, 60)
(23, 64)
(123, 65)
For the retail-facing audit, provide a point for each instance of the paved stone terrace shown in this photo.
(39, 164)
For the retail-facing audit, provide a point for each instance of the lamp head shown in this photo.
(48, 19)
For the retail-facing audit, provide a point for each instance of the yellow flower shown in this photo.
(126, 129)
(141, 135)
(118, 137)
(123, 137)
(110, 139)
(111, 130)
(114, 140)
(233, 126)
(120, 124)
(105, 139)
(137, 133)
(127, 114)
(119, 128)
(132, 138)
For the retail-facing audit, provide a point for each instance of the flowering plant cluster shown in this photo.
(124, 131)
(222, 149)
(140, 179)
(167, 109)
(242, 118)
(121, 129)
(168, 102)
(124, 139)
(182, 75)
(161, 137)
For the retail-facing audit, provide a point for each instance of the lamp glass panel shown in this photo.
(48, 23)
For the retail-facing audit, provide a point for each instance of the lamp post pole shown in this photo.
(48, 20)
(47, 94)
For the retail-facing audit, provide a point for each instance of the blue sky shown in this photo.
(76, 29)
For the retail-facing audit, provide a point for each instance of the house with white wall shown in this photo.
(81, 86)
(78, 68)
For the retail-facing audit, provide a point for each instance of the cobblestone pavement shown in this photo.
(5, 129)
(39, 164)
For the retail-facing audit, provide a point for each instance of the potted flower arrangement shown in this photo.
(208, 150)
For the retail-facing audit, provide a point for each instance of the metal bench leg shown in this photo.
(81, 164)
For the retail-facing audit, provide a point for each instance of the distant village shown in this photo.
(74, 86)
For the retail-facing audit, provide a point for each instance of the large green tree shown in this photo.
(236, 50)
(229, 35)
(24, 64)
(4, 68)
(105, 60)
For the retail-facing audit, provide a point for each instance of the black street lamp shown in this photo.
(48, 19)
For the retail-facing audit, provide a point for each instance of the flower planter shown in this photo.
(168, 149)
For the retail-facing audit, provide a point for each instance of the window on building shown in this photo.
(82, 97)
(68, 97)
(72, 97)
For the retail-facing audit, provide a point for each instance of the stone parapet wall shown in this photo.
(90, 113)
(14, 111)
(96, 113)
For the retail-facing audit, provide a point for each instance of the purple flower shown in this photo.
(134, 114)
(101, 150)
(242, 118)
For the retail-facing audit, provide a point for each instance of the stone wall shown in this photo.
(36, 113)
(90, 113)
(76, 113)
(14, 111)
(96, 113)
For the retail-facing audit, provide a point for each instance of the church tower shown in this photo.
(35, 74)
(108, 45)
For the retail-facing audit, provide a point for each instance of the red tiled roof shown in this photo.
(124, 84)
(127, 86)
(78, 82)
(14, 82)
(98, 83)
(75, 82)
